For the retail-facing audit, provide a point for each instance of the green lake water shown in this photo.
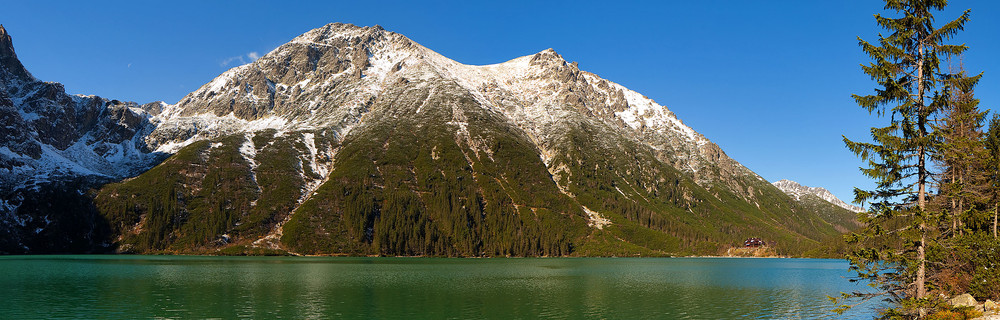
(176, 287)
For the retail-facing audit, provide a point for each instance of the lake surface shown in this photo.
(103, 287)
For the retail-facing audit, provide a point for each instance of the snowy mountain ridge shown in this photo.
(336, 71)
(357, 140)
(50, 134)
(797, 190)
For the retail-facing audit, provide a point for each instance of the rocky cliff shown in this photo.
(56, 146)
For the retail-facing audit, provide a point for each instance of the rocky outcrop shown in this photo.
(57, 145)
(989, 305)
(11, 69)
(963, 300)
(797, 190)
(328, 77)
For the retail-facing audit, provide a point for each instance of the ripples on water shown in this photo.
(409, 288)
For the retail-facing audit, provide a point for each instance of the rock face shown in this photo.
(357, 140)
(963, 300)
(55, 141)
(797, 190)
(329, 77)
(9, 64)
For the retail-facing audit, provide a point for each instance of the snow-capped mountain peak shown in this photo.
(343, 115)
(329, 76)
(797, 190)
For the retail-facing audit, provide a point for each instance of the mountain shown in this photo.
(56, 146)
(797, 190)
(819, 200)
(359, 141)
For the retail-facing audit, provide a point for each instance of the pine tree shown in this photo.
(906, 66)
(992, 142)
(963, 193)
(961, 152)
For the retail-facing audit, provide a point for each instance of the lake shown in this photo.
(102, 287)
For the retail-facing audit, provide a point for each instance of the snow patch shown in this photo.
(309, 139)
(302, 84)
(249, 152)
(220, 82)
(4, 150)
(797, 190)
(28, 117)
(209, 126)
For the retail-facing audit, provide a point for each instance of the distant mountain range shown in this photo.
(359, 141)
(797, 191)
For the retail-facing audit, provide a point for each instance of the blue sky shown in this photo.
(770, 82)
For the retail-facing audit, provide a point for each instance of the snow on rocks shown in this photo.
(209, 126)
(528, 89)
(797, 190)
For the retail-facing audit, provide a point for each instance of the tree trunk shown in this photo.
(961, 210)
(994, 221)
(921, 291)
(922, 126)
(954, 223)
(961, 199)
(921, 177)
(921, 204)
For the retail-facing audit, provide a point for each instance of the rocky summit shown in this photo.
(55, 147)
(797, 191)
(359, 141)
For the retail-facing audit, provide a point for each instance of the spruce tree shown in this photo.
(962, 199)
(960, 152)
(992, 142)
(906, 65)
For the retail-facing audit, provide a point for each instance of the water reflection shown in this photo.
(570, 288)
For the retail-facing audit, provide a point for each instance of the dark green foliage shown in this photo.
(830, 248)
(966, 264)
(454, 179)
(842, 219)
(963, 256)
(415, 187)
(459, 181)
(992, 169)
(280, 181)
(982, 254)
(620, 178)
(961, 154)
(900, 228)
(243, 250)
(145, 210)
(607, 243)
(204, 196)
(56, 217)
(210, 214)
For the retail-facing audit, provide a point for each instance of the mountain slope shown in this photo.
(797, 191)
(356, 140)
(390, 148)
(55, 147)
(823, 203)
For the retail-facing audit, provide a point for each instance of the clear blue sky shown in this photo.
(769, 81)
